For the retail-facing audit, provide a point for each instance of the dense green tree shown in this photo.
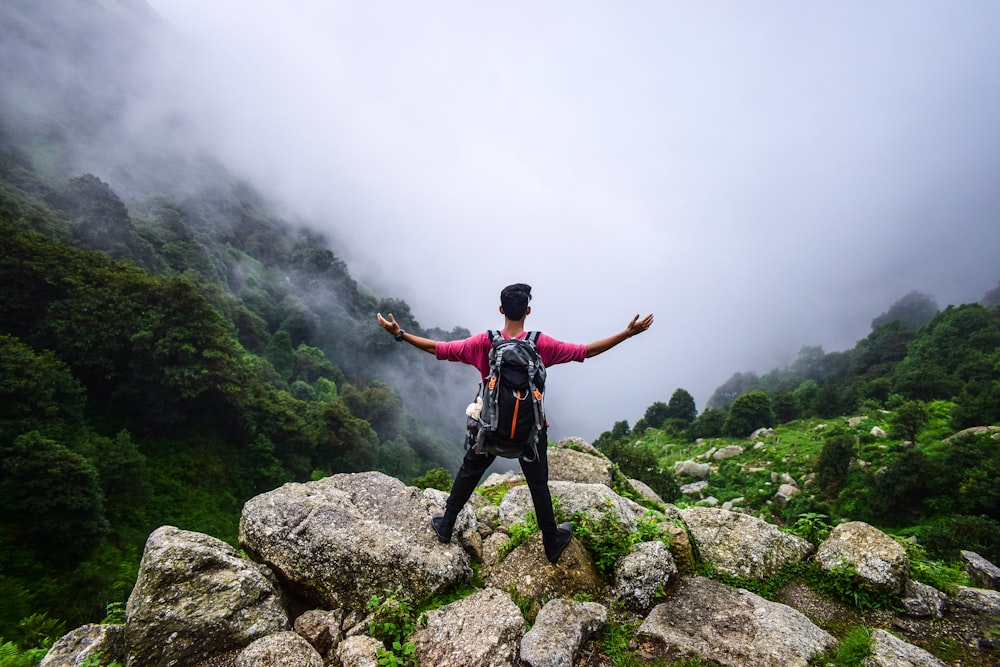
(749, 412)
(682, 406)
(911, 311)
(656, 414)
(896, 493)
(785, 407)
(37, 393)
(52, 500)
(280, 354)
(834, 461)
(709, 424)
(379, 405)
(953, 348)
(907, 420)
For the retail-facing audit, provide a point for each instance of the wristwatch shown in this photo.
(399, 336)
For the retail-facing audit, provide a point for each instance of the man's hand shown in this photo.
(390, 324)
(637, 326)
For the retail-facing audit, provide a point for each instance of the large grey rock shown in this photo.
(282, 649)
(358, 651)
(891, 651)
(742, 545)
(641, 575)
(597, 500)
(982, 572)
(880, 562)
(195, 598)
(922, 601)
(727, 452)
(482, 630)
(342, 539)
(785, 493)
(578, 444)
(705, 618)
(528, 573)
(75, 648)
(569, 465)
(977, 600)
(645, 491)
(692, 469)
(559, 632)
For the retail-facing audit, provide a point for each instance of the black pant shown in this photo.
(536, 473)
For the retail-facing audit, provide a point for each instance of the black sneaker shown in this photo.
(441, 528)
(561, 539)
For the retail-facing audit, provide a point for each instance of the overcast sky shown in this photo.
(760, 176)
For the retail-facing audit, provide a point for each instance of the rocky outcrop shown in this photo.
(73, 648)
(561, 628)
(575, 460)
(194, 598)
(282, 649)
(982, 573)
(482, 630)
(644, 574)
(742, 545)
(707, 619)
(330, 541)
(887, 650)
(877, 559)
(318, 552)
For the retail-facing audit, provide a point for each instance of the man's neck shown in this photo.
(513, 328)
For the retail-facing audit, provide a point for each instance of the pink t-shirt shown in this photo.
(475, 350)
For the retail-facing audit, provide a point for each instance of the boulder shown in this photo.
(358, 651)
(785, 493)
(645, 491)
(694, 488)
(976, 600)
(692, 469)
(87, 643)
(339, 540)
(322, 629)
(727, 452)
(922, 601)
(880, 562)
(482, 630)
(706, 619)
(887, 650)
(528, 573)
(742, 545)
(559, 632)
(282, 649)
(643, 574)
(195, 598)
(578, 444)
(597, 500)
(982, 572)
(569, 465)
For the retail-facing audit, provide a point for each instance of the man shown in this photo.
(475, 350)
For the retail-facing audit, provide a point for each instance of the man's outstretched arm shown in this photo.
(634, 328)
(390, 325)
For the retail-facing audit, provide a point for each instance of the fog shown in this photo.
(760, 176)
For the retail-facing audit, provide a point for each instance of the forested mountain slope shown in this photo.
(170, 345)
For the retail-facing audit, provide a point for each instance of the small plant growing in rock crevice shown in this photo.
(518, 533)
(394, 618)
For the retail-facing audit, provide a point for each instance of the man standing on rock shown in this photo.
(476, 351)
